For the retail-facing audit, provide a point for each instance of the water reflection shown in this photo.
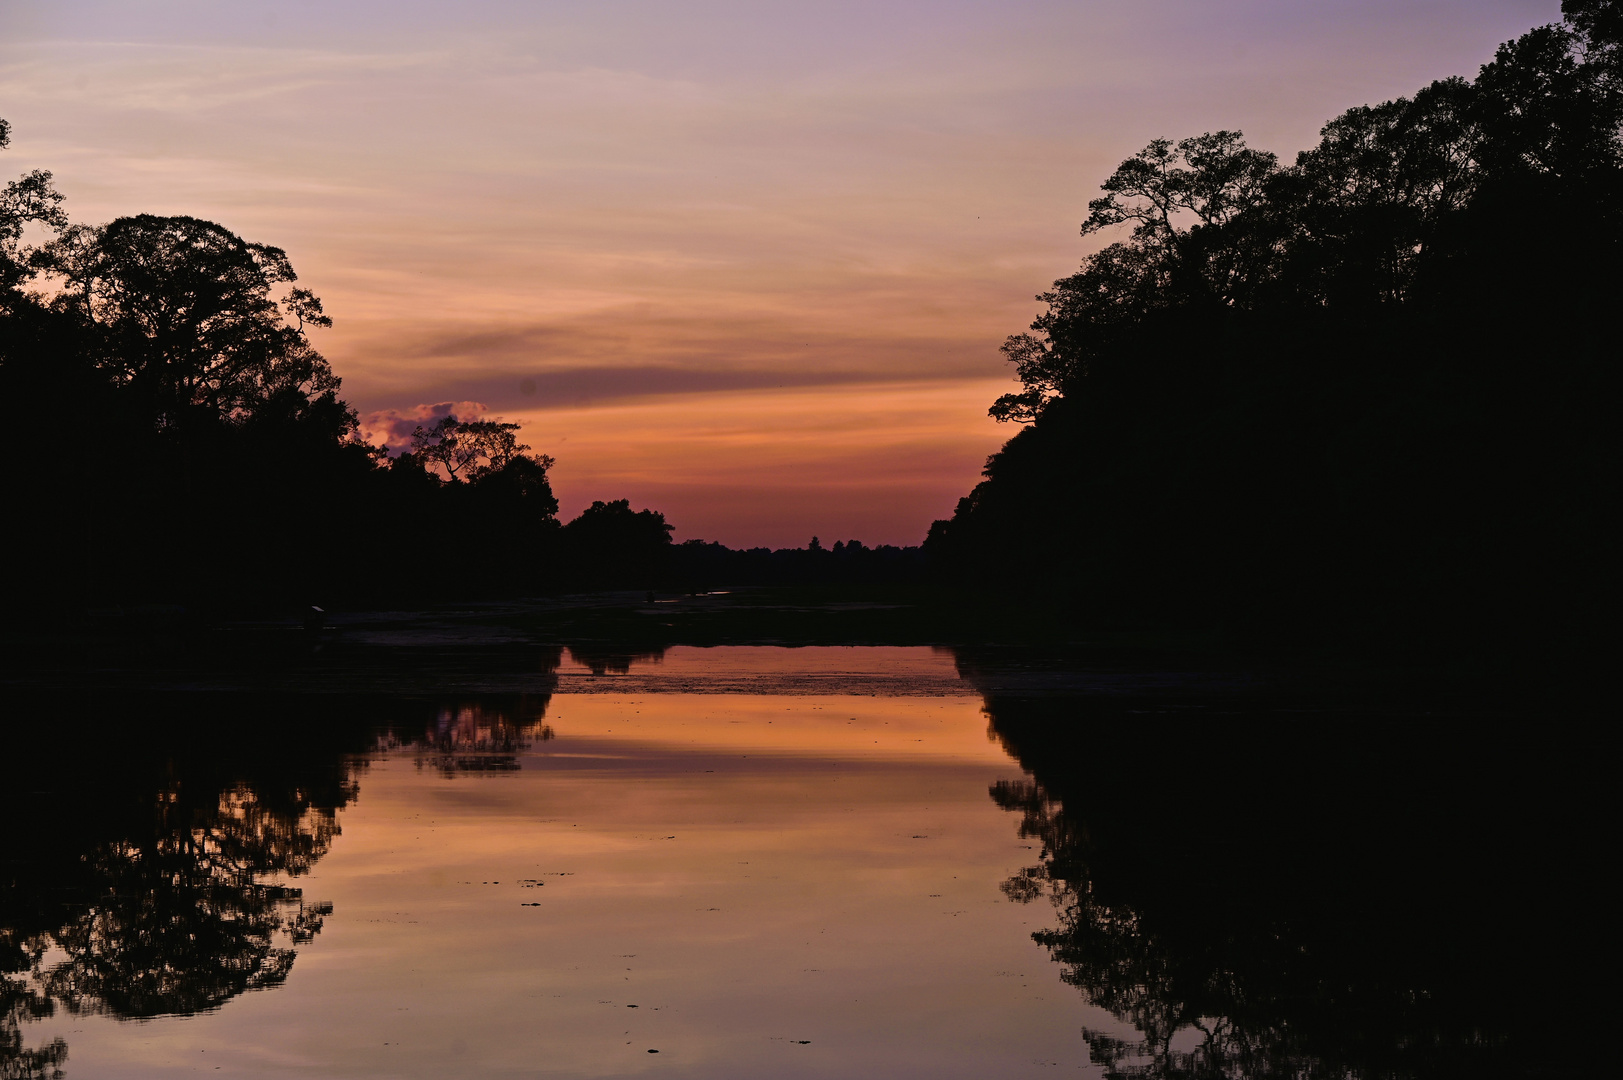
(481, 736)
(182, 921)
(150, 865)
(1318, 896)
(1234, 893)
(175, 921)
(607, 660)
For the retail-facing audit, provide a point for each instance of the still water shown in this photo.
(722, 863)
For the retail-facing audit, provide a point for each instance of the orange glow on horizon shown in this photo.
(779, 466)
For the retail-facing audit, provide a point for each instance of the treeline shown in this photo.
(180, 441)
(1371, 392)
(701, 564)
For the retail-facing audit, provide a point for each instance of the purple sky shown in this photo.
(746, 263)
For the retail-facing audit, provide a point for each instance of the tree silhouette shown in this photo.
(611, 542)
(1352, 396)
(471, 449)
(30, 199)
(226, 468)
(185, 316)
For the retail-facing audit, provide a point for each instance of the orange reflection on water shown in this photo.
(751, 885)
(797, 728)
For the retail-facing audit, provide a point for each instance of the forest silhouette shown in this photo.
(1371, 390)
(1364, 395)
(209, 461)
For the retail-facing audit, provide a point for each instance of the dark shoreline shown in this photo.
(499, 646)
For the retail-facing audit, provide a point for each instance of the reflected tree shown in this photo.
(21, 1003)
(610, 660)
(482, 736)
(177, 922)
(1253, 895)
(1194, 1019)
(148, 863)
(184, 923)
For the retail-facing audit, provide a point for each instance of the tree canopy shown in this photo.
(219, 463)
(183, 315)
(1349, 389)
(1381, 207)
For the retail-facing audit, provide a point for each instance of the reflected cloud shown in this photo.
(482, 736)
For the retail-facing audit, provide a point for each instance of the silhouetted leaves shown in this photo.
(610, 542)
(471, 449)
(1359, 394)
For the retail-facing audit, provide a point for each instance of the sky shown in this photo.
(745, 263)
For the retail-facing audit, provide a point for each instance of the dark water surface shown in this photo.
(741, 862)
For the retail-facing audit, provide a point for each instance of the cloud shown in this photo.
(393, 428)
(587, 386)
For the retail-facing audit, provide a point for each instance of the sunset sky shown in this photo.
(748, 264)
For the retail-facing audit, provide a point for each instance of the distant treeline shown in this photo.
(1373, 392)
(180, 441)
(704, 564)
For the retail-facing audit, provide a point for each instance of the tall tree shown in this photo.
(186, 318)
(30, 199)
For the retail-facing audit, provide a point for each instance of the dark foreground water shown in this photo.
(795, 862)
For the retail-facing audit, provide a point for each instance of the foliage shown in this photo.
(470, 449)
(183, 318)
(1361, 390)
(223, 468)
(609, 540)
(30, 199)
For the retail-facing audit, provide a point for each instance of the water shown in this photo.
(747, 862)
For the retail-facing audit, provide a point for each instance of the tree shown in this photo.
(237, 477)
(1342, 393)
(30, 199)
(185, 315)
(471, 449)
(1354, 223)
(611, 542)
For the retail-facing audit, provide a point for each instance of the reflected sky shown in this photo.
(739, 862)
(750, 884)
